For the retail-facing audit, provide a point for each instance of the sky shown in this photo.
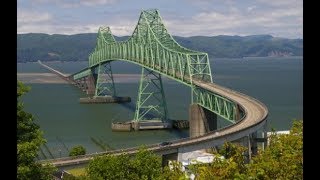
(279, 18)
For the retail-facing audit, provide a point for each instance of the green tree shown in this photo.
(283, 159)
(143, 165)
(229, 166)
(173, 172)
(77, 150)
(29, 140)
(109, 167)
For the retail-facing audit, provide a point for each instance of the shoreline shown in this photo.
(51, 78)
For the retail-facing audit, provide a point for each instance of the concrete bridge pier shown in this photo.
(250, 142)
(91, 88)
(82, 84)
(253, 143)
(201, 120)
(85, 85)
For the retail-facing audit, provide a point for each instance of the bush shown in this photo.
(77, 150)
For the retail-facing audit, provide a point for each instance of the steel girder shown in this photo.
(82, 74)
(216, 103)
(151, 99)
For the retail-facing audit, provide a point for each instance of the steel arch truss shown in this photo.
(151, 99)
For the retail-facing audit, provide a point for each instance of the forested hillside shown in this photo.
(36, 46)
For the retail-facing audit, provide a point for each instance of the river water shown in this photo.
(277, 82)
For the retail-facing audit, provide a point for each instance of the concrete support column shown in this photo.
(245, 142)
(251, 143)
(254, 144)
(237, 112)
(91, 85)
(249, 147)
(135, 125)
(265, 136)
(167, 157)
(82, 83)
(201, 120)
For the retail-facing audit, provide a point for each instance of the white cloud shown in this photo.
(58, 29)
(95, 2)
(250, 8)
(73, 3)
(282, 3)
(53, 27)
(24, 16)
(122, 30)
(282, 19)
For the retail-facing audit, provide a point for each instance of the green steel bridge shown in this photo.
(154, 49)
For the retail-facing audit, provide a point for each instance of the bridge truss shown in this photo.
(154, 49)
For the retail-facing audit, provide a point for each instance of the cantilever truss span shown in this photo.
(153, 48)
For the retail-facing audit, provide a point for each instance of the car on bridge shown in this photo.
(165, 143)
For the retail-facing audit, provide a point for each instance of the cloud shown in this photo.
(95, 2)
(122, 30)
(72, 3)
(50, 28)
(250, 8)
(282, 3)
(75, 4)
(278, 20)
(26, 17)
(281, 19)
(54, 26)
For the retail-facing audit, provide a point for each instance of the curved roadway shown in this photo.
(255, 114)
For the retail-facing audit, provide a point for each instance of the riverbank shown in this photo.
(50, 78)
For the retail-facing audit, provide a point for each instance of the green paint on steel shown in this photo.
(215, 103)
(105, 83)
(153, 48)
(151, 98)
(82, 74)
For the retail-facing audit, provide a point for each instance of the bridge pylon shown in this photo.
(99, 84)
(151, 101)
(105, 83)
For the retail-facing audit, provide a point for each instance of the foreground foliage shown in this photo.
(29, 140)
(284, 157)
(77, 150)
(281, 160)
(229, 164)
(144, 165)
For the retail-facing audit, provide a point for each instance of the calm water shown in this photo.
(277, 82)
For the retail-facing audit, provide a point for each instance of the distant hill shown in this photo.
(36, 46)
